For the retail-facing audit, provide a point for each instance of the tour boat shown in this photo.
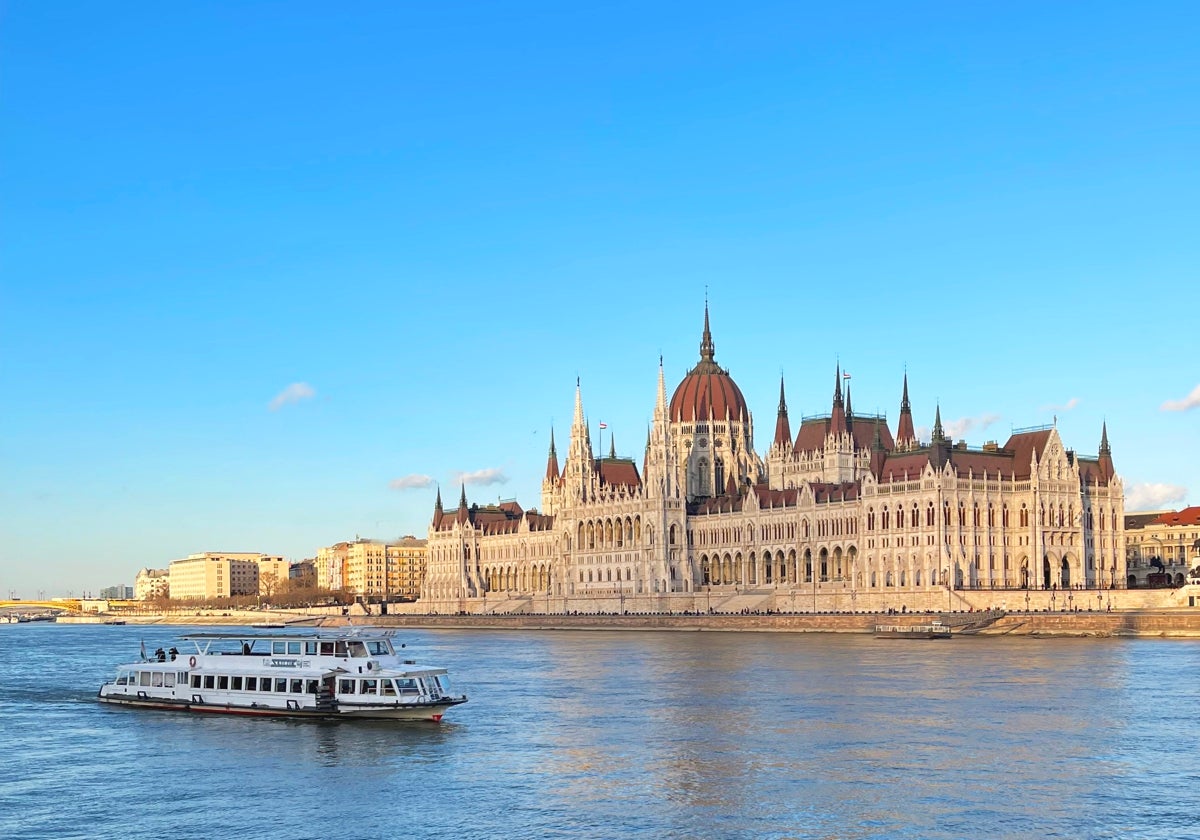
(338, 674)
(934, 630)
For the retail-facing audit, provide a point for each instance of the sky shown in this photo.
(271, 274)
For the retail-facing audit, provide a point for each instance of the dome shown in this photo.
(707, 390)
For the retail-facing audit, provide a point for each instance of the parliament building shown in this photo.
(843, 514)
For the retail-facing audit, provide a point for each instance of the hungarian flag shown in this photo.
(603, 425)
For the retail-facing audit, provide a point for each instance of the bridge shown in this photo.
(66, 604)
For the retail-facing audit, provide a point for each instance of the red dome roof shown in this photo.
(707, 390)
(703, 393)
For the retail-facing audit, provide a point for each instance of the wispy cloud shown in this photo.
(959, 428)
(1189, 402)
(1067, 406)
(410, 482)
(292, 394)
(1154, 496)
(491, 475)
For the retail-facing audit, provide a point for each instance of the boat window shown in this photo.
(310, 648)
(209, 681)
(252, 683)
(235, 683)
(386, 688)
(339, 649)
(169, 680)
(144, 678)
(327, 648)
(345, 686)
(278, 647)
(223, 683)
(195, 680)
(370, 687)
(406, 686)
(310, 686)
(297, 686)
(264, 684)
(122, 678)
(293, 648)
(357, 649)
(156, 679)
(379, 648)
(281, 684)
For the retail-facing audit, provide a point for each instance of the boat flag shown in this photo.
(143, 650)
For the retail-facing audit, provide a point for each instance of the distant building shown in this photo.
(1162, 546)
(214, 574)
(151, 584)
(303, 573)
(373, 569)
(120, 592)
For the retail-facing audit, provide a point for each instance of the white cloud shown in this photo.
(410, 482)
(491, 475)
(957, 429)
(1153, 496)
(1191, 401)
(1067, 406)
(292, 394)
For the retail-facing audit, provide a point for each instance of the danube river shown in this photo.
(606, 734)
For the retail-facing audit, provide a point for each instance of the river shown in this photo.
(603, 734)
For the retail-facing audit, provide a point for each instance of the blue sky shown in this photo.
(262, 266)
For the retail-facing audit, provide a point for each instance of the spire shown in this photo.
(837, 419)
(939, 434)
(552, 460)
(578, 418)
(462, 499)
(783, 429)
(660, 404)
(706, 342)
(1106, 464)
(437, 509)
(612, 447)
(849, 410)
(906, 435)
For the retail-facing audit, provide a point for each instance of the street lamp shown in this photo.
(1099, 602)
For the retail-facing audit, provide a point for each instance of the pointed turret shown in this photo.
(939, 435)
(837, 419)
(849, 409)
(1106, 463)
(612, 447)
(783, 429)
(462, 515)
(437, 509)
(552, 461)
(906, 435)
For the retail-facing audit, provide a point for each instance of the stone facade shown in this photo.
(152, 583)
(1162, 547)
(845, 515)
(373, 569)
(215, 574)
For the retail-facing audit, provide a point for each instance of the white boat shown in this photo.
(306, 673)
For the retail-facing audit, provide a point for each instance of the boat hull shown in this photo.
(912, 632)
(431, 711)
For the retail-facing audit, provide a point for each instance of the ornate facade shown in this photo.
(837, 517)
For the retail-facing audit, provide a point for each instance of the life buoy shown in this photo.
(191, 662)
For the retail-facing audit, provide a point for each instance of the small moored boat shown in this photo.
(314, 673)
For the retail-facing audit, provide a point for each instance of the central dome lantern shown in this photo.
(708, 390)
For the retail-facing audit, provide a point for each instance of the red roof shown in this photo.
(702, 394)
(1187, 516)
